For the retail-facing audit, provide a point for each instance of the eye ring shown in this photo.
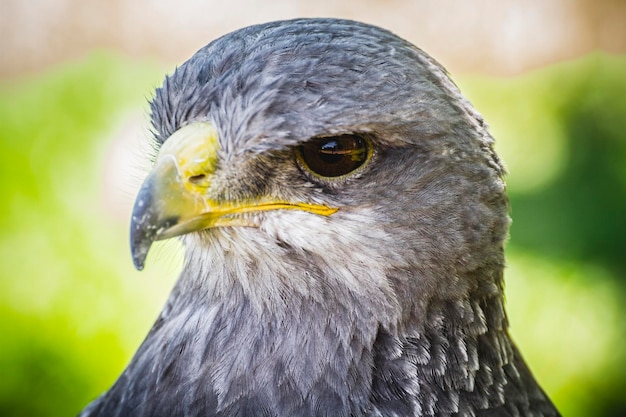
(335, 157)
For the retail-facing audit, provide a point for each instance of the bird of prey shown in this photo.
(343, 214)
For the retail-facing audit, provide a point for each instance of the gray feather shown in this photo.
(393, 306)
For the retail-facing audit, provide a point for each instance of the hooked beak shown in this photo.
(175, 197)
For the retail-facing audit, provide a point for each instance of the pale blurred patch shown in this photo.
(487, 36)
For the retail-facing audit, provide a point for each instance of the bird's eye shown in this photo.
(335, 156)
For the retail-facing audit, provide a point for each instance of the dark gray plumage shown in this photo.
(391, 305)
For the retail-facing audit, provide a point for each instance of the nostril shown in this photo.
(197, 179)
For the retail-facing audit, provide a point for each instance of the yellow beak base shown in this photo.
(174, 198)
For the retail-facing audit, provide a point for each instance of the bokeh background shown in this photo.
(75, 76)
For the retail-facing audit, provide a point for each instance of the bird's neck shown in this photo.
(308, 344)
(241, 335)
(316, 351)
(339, 353)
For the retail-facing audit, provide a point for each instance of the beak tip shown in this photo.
(142, 227)
(138, 264)
(141, 237)
(143, 234)
(139, 251)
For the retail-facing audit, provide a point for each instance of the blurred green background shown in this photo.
(73, 310)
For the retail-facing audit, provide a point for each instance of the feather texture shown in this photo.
(393, 306)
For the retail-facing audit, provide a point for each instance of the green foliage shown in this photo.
(73, 310)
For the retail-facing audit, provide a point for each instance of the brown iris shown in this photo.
(335, 156)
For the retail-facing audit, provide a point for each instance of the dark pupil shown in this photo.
(334, 156)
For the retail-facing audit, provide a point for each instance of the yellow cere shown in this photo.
(194, 149)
